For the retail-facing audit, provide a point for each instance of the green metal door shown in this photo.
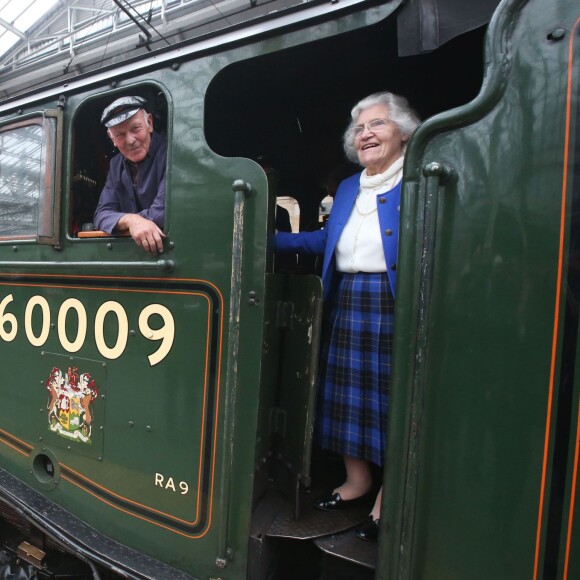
(481, 475)
(298, 367)
(289, 368)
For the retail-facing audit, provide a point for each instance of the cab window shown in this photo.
(91, 156)
(28, 181)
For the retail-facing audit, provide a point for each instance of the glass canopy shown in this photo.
(47, 40)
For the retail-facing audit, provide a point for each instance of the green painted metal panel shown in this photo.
(299, 365)
(568, 563)
(270, 370)
(157, 474)
(292, 327)
(478, 352)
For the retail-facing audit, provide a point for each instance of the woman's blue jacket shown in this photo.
(323, 242)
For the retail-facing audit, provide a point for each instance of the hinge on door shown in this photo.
(285, 315)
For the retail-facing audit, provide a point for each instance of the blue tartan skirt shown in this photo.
(355, 368)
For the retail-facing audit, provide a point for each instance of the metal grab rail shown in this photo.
(436, 175)
(242, 190)
(163, 265)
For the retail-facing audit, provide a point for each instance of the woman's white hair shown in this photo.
(400, 112)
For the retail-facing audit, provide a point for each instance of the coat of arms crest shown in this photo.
(70, 403)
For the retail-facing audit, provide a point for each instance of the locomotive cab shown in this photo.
(293, 127)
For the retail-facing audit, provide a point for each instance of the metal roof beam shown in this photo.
(12, 29)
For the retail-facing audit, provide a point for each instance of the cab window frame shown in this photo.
(86, 119)
(50, 122)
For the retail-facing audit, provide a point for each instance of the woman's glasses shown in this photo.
(372, 126)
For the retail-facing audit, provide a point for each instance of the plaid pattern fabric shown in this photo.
(355, 366)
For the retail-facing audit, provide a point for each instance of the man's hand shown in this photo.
(145, 232)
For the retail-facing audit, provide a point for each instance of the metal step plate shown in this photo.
(348, 547)
(313, 523)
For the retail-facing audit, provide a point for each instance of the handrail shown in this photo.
(162, 265)
(437, 177)
(242, 190)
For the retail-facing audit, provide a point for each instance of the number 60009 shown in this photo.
(39, 335)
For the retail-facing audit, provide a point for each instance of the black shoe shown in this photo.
(332, 502)
(368, 530)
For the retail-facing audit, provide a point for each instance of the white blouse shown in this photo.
(360, 247)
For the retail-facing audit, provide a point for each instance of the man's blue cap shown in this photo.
(121, 110)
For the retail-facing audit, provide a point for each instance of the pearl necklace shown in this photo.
(358, 209)
(370, 185)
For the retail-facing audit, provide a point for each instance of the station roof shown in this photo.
(33, 30)
(56, 39)
(16, 19)
(45, 40)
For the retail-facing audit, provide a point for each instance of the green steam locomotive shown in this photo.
(157, 411)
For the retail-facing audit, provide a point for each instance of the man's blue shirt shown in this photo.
(146, 197)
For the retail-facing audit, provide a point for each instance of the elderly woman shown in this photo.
(359, 244)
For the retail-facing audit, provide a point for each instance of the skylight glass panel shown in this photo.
(34, 11)
(21, 14)
(7, 40)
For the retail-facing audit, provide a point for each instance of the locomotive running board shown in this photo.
(65, 530)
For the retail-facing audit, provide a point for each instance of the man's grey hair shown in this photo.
(400, 112)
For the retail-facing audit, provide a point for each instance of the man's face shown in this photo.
(133, 136)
